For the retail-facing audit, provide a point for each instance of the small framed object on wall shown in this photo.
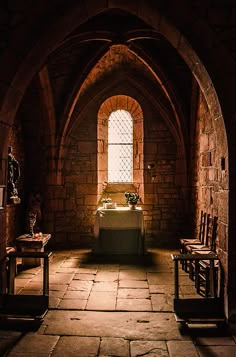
(2, 196)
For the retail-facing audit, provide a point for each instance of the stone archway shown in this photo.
(25, 72)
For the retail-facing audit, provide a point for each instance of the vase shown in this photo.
(110, 205)
(132, 206)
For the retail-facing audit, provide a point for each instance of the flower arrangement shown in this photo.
(107, 203)
(132, 198)
(106, 200)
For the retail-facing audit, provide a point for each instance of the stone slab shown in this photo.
(216, 351)
(84, 276)
(118, 347)
(216, 340)
(87, 270)
(72, 304)
(7, 340)
(60, 278)
(132, 275)
(162, 302)
(107, 276)
(100, 300)
(77, 294)
(182, 349)
(77, 346)
(110, 267)
(33, 343)
(80, 285)
(30, 285)
(128, 325)
(66, 270)
(148, 349)
(71, 263)
(186, 290)
(160, 278)
(139, 284)
(134, 305)
(56, 294)
(161, 289)
(133, 293)
(104, 286)
(54, 302)
(57, 287)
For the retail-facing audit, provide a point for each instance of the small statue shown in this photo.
(13, 176)
(34, 214)
(31, 220)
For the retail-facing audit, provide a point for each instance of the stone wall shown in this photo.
(211, 177)
(162, 196)
(71, 207)
(14, 214)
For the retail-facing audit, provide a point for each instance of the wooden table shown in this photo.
(119, 231)
(26, 243)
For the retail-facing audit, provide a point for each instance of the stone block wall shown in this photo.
(70, 210)
(211, 176)
(14, 214)
(71, 207)
(162, 197)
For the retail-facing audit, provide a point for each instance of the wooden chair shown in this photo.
(198, 241)
(209, 237)
(202, 271)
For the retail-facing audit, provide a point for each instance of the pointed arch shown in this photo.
(110, 105)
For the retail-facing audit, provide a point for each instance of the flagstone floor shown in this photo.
(99, 308)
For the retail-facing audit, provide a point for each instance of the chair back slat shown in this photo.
(214, 233)
(203, 227)
(205, 240)
(200, 225)
(211, 231)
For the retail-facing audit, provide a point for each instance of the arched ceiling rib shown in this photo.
(74, 57)
(119, 57)
(68, 64)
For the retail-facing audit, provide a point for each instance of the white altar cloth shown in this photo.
(119, 230)
(118, 218)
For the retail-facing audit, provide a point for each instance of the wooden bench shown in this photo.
(197, 310)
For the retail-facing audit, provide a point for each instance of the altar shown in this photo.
(119, 231)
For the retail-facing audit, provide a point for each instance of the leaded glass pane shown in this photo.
(120, 147)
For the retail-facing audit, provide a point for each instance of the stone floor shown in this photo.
(111, 309)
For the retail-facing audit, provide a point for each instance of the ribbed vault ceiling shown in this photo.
(110, 42)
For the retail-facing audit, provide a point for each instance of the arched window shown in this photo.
(120, 146)
(120, 151)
